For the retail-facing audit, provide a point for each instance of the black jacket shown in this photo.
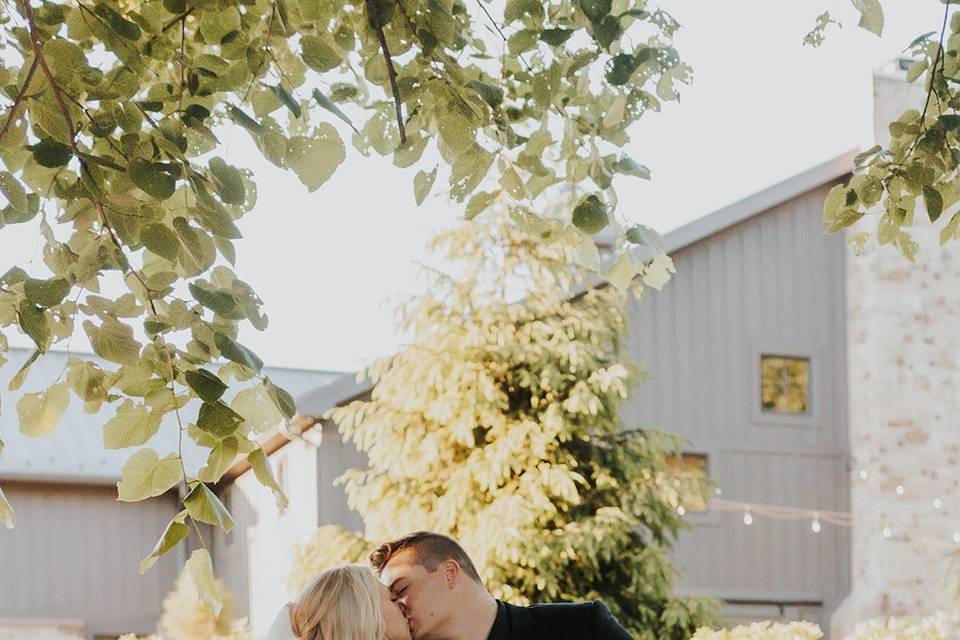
(580, 621)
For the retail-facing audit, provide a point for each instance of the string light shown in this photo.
(937, 503)
(956, 537)
(681, 510)
(815, 525)
(864, 474)
(887, 533)
(899, 489)
(747, 517)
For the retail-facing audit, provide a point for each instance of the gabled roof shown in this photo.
(757, 203)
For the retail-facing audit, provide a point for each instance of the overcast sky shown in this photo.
(762, 108)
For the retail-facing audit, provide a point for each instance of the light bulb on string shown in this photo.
(718, 491)
(886, 532)
(899, 489)
(680, 510)
(956, 537)
(864, 474)
(815, 525)
(747, 517)
(937, 503)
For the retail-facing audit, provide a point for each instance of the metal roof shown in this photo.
(74, 452)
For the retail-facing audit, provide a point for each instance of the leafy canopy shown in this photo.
(111, 145)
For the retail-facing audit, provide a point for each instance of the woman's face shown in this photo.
(397, 628)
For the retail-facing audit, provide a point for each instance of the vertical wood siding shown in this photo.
(772, 282)
(75, 554)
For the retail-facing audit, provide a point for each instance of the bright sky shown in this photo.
(331, 265)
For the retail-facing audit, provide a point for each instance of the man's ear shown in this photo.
(451, 572)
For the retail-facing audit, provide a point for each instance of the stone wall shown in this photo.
(903, 341)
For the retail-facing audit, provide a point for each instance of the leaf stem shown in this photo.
(19, 99)
(376, 24)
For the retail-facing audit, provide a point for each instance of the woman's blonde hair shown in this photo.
(342, 603)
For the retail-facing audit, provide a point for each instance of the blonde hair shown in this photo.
(341, 603)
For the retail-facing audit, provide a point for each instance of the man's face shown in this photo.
(424, 597)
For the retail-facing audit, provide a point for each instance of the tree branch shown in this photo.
(182, 16)
(377, 25)
(16, 103)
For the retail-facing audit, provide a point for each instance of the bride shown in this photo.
(342, 603)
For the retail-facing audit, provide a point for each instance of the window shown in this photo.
(689, 471)
(785, 384)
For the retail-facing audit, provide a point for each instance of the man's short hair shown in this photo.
(432, 549)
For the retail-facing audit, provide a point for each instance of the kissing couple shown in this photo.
(429, 589)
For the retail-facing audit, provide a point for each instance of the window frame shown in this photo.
(711, 455)
(783, 349)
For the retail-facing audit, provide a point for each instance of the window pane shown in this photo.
(689, 474)
(785, 384)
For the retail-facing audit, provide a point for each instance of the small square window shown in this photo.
(689, 475)
(785, 384)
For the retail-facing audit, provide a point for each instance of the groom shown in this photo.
(439, 591)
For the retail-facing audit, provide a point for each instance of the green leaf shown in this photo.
(227, 181)
(34, 323)
(595, 10)
(259, 412)
(113, 341)
(50, 153)
(232, 350)
(154, 178)
(132, 426)
(161, 240)
(622, 271)
(590, 215)
(40, 412)
(240, 117)
(120, 25)
(200, 568)
(15, 193)
(646, 236)
(17, 381)
(320, 53)
(204, 506)
(220, 302)
(658, 272)
(218, 462)
(871, 15)
(629, 166)
(7, 516)
(329, 105)
(316, 158)
(264, 473)
(287, 99)
(46, 293)
(206, 385)
(146, 475)
(479, 203)
(491, 94)
(951, 230)
(555, 37)
(218, 420)
(513, 184)
(933, 202)
(620, 68)
(422, 184)
(282, 399)
(175, 532)
(218, 22)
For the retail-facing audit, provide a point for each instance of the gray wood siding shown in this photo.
(773, 283)
(75, 554)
